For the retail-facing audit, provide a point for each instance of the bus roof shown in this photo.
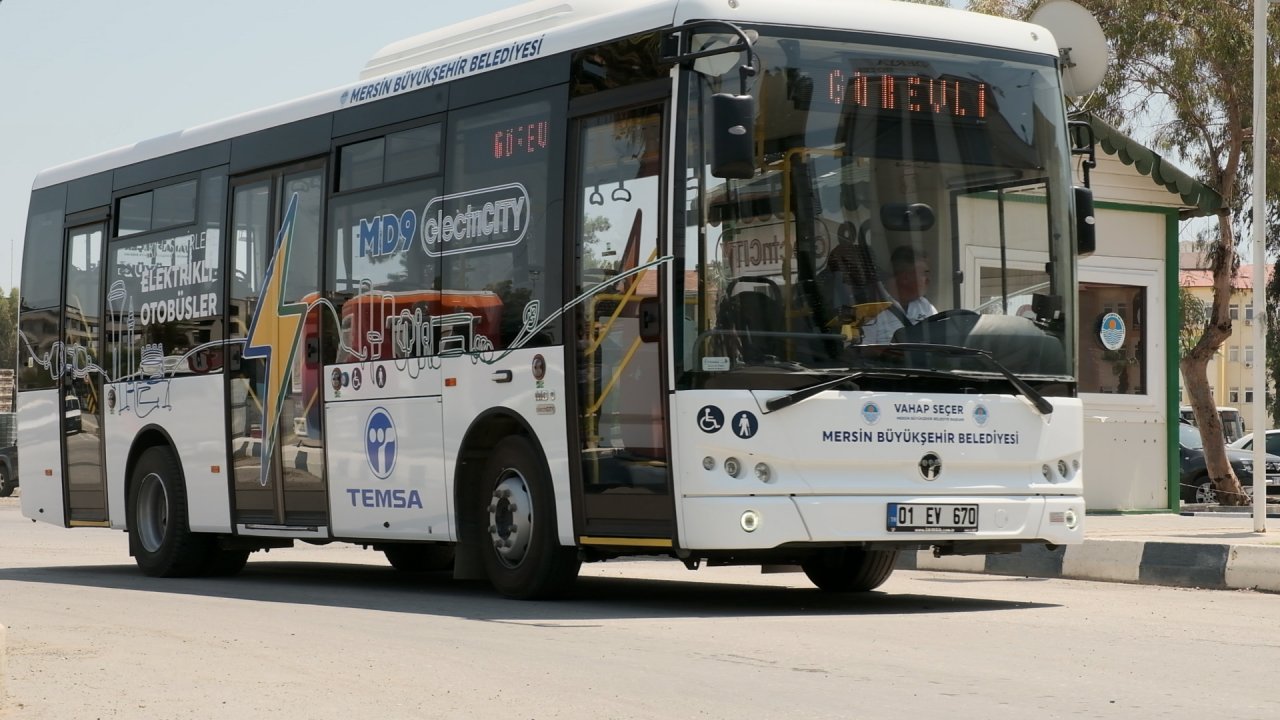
(546, 27)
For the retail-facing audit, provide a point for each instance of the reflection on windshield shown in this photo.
(901, 196)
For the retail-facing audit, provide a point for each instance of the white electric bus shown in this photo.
(576, 281)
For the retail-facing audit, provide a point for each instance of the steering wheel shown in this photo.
(953, 312)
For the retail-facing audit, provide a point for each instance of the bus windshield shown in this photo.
(901, 195)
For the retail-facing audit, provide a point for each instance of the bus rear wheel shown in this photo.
(850, 569)
(159, 537)
(7, 485)
(523, 557)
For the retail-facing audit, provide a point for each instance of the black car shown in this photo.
(1194, 482)
(8, 470)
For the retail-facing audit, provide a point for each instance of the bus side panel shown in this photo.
(192, 411)
(386, 475)
(40, 453)
(541, 403)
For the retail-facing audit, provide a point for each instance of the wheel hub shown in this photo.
(153, 512)
(511, 518)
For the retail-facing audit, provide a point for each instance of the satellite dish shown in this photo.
(1081, 44)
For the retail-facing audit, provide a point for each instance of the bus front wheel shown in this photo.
(850, 569)
(523, 557)
(159, 536)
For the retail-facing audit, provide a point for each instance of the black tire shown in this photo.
(7, 486)
(160, 537)
(850, 569)
(516, 516)
(1199, 491)
(407, 557)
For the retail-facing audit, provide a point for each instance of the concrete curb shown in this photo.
(4, 673)
(1146, 562)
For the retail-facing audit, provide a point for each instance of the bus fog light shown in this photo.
(750, 520)
(732, 466)
(1071, 519)
(708, 463)
(763, 473)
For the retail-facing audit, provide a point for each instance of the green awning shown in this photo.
(1200, 199)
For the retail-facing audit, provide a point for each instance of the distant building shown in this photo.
(1231, 370)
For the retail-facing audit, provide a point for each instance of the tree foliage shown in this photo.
(1180, 78)
(9, 329)
(1194, 314)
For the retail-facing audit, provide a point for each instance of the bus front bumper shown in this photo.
(765, 522)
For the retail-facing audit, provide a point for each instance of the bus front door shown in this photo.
(273, 384)
(624, 497)
(85, 482)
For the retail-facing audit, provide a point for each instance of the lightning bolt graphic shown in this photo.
(273, 336)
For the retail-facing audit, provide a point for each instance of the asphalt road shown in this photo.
(332, 632)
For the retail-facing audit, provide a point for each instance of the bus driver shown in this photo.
(906, 286)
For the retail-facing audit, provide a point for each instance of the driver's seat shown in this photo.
(753, 315)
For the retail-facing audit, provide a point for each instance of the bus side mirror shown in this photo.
(1086, 228)
(733, 131)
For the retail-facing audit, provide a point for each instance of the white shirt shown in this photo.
(883, 326)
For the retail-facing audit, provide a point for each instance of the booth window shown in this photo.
(1113, 362)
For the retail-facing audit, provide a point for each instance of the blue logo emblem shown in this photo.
(871, 412)
(745, 425)
(980, 415)
(1111, 331)
(380, 442)
(710, 419)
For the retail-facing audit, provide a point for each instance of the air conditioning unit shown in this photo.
(1248, 364)
(1248, 321)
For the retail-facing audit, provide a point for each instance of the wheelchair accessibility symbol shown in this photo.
(710, 419)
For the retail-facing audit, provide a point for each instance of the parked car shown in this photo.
(1246, 442)
(8, 470)
(1194, 477)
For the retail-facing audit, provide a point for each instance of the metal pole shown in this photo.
(1259, 260)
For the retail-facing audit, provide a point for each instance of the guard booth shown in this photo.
(1128, 345)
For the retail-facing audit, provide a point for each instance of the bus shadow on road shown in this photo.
(372, 587)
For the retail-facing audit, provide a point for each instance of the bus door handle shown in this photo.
(501, 376)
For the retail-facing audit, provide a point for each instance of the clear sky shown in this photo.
(79, 77)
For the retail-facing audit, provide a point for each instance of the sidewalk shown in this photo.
(1193, 549)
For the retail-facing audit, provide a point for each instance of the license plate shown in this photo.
(928, 517)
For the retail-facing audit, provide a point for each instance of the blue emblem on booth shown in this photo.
(1111, 331)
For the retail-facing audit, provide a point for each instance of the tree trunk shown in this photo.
(1195, 367)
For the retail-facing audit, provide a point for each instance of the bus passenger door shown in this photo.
(85, 480)
(625, 491)
(273, 384)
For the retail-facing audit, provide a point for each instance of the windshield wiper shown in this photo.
(803, 394)
(1043, 406)
(1037, 400)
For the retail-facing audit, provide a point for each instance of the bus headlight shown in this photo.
(732, 466)
(708, 463)
(763, 473)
